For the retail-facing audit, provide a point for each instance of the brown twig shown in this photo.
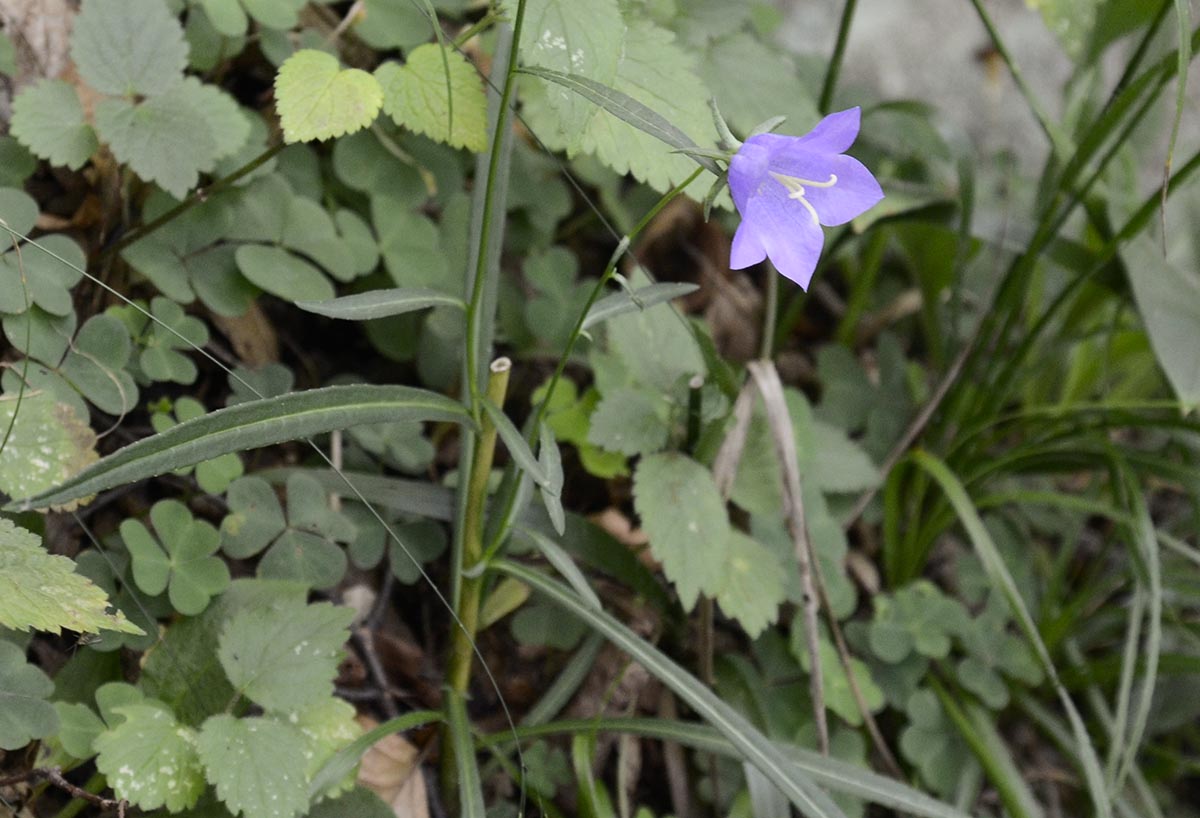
(365, 639)
(766, 377)
(55, 776)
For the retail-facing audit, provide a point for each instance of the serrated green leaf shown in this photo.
(752, 584)
(574, 38)
(164, 139)
(661, 75)
(630, 421)
(228, 125)
(327, 727)
(285, 658)
(128, 47)
(256, 764)
(150, 759)
(316, 99)
(437, 93)
(24, 713)
(684, 516)
(48, 443)
(48, 119)
(283, 274)
(42, 591)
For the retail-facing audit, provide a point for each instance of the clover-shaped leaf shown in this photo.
(316, 99)
(269, 381)
(919, 617)
(25, 714)
(992, 654)
(838, 695)
(150, 759)
(302, 546)
(215, 474)
(180, 561)
(403, 445)
(35, 277)
(284, 657)
(172, 330)
(42, 591)
(932, 744)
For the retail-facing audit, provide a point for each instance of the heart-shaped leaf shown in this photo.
(316, 99)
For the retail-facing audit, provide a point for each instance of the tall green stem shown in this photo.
(839, 53)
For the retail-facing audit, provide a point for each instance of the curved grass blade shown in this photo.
(252, 425)
(627, 109)
(557, 556)
(343, 761)
(835, 774)
(470, 786)
(1002, 580)
(381, 303)
(751, 745)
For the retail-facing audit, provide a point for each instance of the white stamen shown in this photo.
(796, 189)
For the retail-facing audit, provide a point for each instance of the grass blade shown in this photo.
(1001, 579)
(751, 745)
(249, 426)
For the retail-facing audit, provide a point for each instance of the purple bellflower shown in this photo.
(786, 187)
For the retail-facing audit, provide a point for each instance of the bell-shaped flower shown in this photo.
(787, 187)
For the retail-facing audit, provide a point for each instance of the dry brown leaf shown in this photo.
(392, 770)
(252, 336)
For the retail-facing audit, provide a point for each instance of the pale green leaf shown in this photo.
(40, 590)
(256, 764)
(48, 119)
(150, 759)
(316, 99)
(284, 658)
(380, 303)
(752, 586)
(631, 421)
(279, 14)
(25, 714)
(228, 125)
(128, 47)
(226, 16)
(181, 559)
(164, 139)
(437, 93)
(685, 519)
(48, 443)
(328, 727)
(283, 274)
(575, 38)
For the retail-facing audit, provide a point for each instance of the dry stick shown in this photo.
(911, 433)
(767, 379)
(54, 776)
(366, 643)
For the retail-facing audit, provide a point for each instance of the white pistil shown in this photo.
(796, 188)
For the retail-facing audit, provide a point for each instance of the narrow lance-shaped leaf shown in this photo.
(381, 303)
(750, 743)
(251, 425)
(620, 303)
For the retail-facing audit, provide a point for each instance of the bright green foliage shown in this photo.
(752, 587)
(302, 546)
(285, 657)
(128, 47)
(327, 727)
(568, 416)
(919, 618)
(685, 519)
(256, 764)
(215, 474)
(437, 93)
(150, 759)
(574, 38)
(48, 118)
(318, 100)
(41, 591)
(47, 444)
(181, 560)
(25, 714)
